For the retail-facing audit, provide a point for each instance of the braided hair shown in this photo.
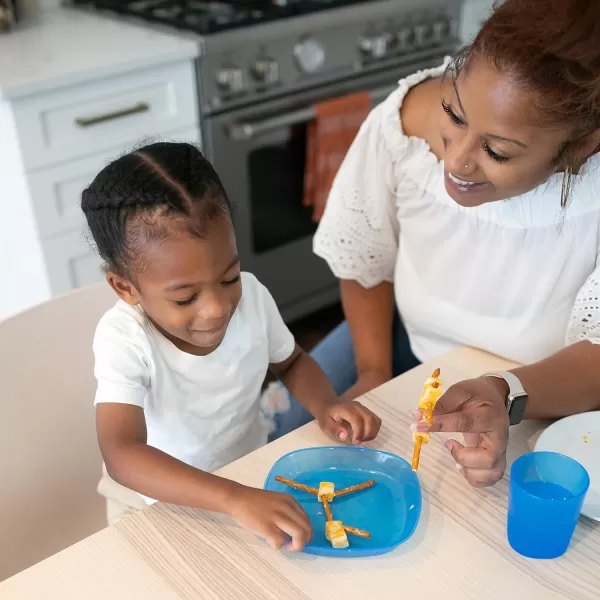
(147, 195)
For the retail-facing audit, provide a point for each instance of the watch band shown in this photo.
(516, 401)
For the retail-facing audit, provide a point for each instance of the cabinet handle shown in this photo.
(140, 107)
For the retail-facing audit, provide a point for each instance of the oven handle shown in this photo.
(243, 132)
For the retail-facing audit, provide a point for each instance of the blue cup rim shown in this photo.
(576, 464)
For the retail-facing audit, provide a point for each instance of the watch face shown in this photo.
(516, 410)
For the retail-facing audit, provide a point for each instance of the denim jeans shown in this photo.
(335, 355)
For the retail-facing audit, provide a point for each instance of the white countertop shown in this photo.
(66, 46)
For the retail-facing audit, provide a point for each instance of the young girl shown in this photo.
(181, 358)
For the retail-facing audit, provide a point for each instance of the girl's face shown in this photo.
(492, 151)
(189, 287)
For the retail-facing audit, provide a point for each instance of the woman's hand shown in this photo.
(477, 409)
(275, 517)
(349, 421)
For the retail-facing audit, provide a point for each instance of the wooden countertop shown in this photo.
(459, 550)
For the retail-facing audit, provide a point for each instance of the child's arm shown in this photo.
(307, 382)
(130, 461)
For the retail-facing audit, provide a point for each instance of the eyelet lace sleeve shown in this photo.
(584, 323)
(358, 235)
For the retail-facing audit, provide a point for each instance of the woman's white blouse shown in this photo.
(518, 278)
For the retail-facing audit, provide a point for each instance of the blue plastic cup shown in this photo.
(545, 499)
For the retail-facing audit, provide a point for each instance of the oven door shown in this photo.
(259, 153)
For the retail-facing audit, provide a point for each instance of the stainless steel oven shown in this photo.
(259, 152)
(262, 66)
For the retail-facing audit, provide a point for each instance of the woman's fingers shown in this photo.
(473, 458)
(484, 477)
(479, 465)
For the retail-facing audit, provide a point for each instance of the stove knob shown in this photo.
(422, 34)
(309, 54)
(375, 46)
(440, 30)
(266, 70)
(231, 80)
(404, 39)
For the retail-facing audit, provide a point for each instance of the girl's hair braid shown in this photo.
(146, 194)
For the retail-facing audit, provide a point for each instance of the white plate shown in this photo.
(579, 438)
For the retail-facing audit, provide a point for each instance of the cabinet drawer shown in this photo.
(71, 262)
(92, 117)
(56, 191)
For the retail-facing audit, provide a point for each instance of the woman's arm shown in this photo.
(370, 315)
(566, 383)
(358, 237)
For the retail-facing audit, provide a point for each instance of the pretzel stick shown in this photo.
(327, 509)
(296, 485)
(355, 488)
(417, 453)
(358, 532)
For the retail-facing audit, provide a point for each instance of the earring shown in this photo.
(466, 166)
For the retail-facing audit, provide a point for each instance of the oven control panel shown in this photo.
(378, 44)
(270, 62)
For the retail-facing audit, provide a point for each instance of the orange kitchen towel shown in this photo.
(329, 137)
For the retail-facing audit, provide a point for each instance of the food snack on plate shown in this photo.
(296, 485)
(326, 490)
(334, 532)
(355, 488)
(432, 390)
(327, 509)
(358, 532)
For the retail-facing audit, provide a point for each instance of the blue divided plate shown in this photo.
(389, 510)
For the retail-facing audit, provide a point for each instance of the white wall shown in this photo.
(23, 279)
(473, 15)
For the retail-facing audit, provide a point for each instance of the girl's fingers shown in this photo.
(353, 418)
(372, 426)
(275, 537)
(299, 533)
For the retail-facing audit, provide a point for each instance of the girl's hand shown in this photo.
(477, 409)
(272, 516)
(349, 421)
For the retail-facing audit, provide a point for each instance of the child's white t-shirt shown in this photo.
(202, 410)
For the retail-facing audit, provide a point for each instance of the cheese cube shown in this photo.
(334, 532)
(326, 488)
(430, 394)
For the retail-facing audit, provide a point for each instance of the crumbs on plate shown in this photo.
(586, 437)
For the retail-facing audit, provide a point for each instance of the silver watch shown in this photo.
(516, 402)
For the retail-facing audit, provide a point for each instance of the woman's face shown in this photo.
(492, 149)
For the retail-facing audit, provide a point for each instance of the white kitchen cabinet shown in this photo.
(51, 146)
(102, 114)
(71, 262)
(56, 190)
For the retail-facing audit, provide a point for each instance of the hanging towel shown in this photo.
(329, 136)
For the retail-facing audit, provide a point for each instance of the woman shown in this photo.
(473, 192)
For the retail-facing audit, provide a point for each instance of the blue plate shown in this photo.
(389, 510)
